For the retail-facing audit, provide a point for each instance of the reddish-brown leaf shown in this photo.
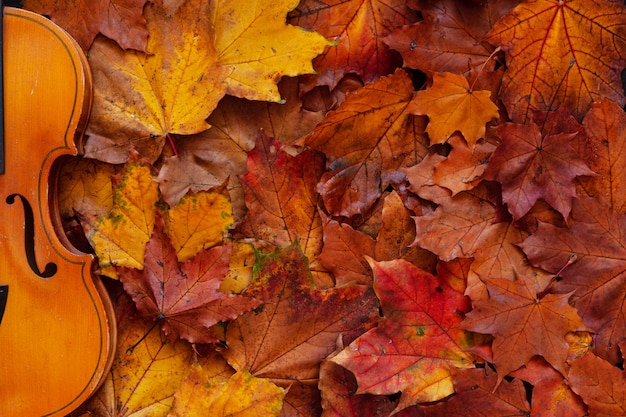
(531, 166)
(601, 385)
(551, 395)
(281, 197)
(597, 278)
(478, 393)
(358, 28)
(605, 154)
(523, 324)
(298, 326)
(451, 36)
(365, 142)
(561, 53)
(418, 343)
(120, 20)
(185, 297)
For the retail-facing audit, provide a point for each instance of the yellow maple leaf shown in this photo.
(119, 238)
(451, 105)
(139, 98)
(242, 395)
(197, 222)
(253, 40)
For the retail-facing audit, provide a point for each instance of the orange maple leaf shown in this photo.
(451, 105)
(561, 53)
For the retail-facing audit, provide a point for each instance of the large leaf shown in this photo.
(418, 342)
(561, 53)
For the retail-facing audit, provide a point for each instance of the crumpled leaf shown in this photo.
(120, 20)
(358, 28)
(257, 47)
(601, 385)
(198, 221)
(242, 395)
(451, 106)
(184, 298)
(281, 197)
(597, 279)
(139, 98)
(561, 54)
(119, 238)
(530, 166)
(143, 380)
(523, 323)
(298, 325)
(366, 140)
(413, 349)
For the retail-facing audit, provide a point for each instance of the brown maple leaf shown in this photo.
(531, 166)
(561, 53)
(524, 324)
(184, 297)
(366, 140)
(597, 278)
(120, 20)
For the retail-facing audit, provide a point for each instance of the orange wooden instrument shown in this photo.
(56, 323)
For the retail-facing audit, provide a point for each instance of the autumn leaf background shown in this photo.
(346, 208)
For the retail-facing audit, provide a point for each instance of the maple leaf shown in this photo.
(139, 98)
(601, 385)
(414, 347)
(120, 236)
(451, 36)
(281, 196)
(209, 158)
(451, 105)
(298, 325)
(120, 20)
(479, 393)
(523, 324)
(596, 238)
(242, 395)
(603, 152)
(145, 381)
(551, 395)
(561, 53)
(185, 297)
(358, 28)
(366, 140)
(254, 43)
(531, 166)
(198, 221)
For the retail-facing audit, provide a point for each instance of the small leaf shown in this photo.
(451, 106)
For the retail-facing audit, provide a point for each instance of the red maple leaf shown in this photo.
(184, 297)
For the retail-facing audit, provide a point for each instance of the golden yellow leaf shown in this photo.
(242, 395)
(120, 237)
(451, 105)
(239, 276)
(198, 222)
(143, 381)
(254, 41)
(139, 98)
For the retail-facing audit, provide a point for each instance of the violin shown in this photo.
(57, 326)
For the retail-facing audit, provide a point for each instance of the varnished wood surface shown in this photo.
(57, 334)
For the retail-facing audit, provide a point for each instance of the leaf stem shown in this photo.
(495, 51)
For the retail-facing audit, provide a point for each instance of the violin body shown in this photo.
(56, 323)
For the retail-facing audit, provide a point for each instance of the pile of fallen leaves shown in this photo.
(348, 208)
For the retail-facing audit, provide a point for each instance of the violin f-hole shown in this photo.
(4, 295)
(29, 239)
